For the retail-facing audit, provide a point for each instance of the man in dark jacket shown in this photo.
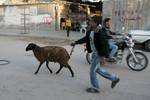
(112, 45)
(97, 43)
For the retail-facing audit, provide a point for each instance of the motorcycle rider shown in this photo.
(114, 48)
(97, 43)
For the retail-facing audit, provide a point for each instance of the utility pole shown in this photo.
(24, 17)
(57, 15)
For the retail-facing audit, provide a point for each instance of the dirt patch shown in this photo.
(39, 40)
(46, 40)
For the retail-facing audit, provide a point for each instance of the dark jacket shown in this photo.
(108, 32)
(100, 41)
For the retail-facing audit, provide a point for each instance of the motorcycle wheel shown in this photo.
(140, 65)
(88, 57)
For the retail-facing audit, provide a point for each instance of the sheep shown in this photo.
(48, 54)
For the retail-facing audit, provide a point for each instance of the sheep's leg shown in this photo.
(38, 68)
(69, 67)
(47, 62)
(59, 69)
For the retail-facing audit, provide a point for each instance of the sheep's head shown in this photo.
(31, 46)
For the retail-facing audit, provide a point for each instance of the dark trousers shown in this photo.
(68, 30)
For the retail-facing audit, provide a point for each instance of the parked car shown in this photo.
(142, 37)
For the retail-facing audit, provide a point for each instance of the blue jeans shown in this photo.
(96, 69)
(113, 47)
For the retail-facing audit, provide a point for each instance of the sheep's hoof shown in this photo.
(35, 73)
(51, 72)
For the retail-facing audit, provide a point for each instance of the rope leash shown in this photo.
(72, 50)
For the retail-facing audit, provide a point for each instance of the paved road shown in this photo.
(19, 83)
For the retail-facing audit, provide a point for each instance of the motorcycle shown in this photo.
(136, 60)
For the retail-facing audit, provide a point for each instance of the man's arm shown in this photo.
(81, 41)
(114, 33)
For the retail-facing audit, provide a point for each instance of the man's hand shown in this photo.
(73, 44)
(103, 61)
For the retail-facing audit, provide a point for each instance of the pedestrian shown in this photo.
(63, 23)
(68, 25)
(97, 43)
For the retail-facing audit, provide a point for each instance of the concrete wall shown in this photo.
(38, 18)
(133, 14)
(15, 16)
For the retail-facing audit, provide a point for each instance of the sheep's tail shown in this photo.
(72, 50)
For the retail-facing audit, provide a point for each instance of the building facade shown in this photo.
(38, 12)
(131, 14)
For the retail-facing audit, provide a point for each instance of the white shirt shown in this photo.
(92, 42)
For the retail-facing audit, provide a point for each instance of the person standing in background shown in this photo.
(68, 25)
(63, 23)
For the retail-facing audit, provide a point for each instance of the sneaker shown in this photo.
(113, 84)
(92, 90)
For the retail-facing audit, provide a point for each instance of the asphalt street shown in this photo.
(18, 82)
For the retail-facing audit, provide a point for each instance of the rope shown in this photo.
(4, 62)
(72, 50)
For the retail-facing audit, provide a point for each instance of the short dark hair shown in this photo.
(97, 19)
(106, 20)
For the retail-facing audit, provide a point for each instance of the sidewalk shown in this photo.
(51, 34)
